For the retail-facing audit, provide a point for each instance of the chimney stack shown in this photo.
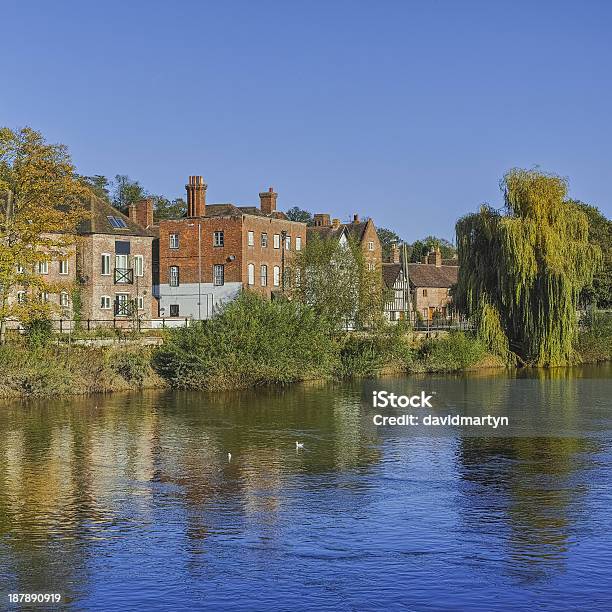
(321, 220)
(196, 197)
(335, 223)
(355, 218)
(435, 257)
(395, 253)
(268, 201)
(141, 212)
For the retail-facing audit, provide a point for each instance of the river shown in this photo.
(129, 502)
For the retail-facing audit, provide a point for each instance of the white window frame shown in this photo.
(298, 243)
(173, 241)
(263, 275)
(264, 240)
(140, 299)
(20, 269)
(217, 277)
(63, 266)
(219, 239)
(122, 301)
(276, 276)
(106, 302)
(250, 238)
(251, 274)
(139, 265)
(21, 297)
(64, 299)
(44, 296)
(370, 245)
(288, 242)
(43, 267)
(105, 257)
(277, 241)
(172, 275)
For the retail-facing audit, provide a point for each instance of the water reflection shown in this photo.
(92, 488)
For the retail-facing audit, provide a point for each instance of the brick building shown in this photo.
(207, 257)
(363, 232)
(58, 273)
(115, 262)
(430, 284)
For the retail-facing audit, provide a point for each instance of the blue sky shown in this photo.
(409, 112)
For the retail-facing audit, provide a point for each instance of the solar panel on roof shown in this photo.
(116, 222)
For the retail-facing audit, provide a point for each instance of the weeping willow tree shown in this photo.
(522, 269)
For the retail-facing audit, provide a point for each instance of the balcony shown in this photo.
(124, 276)
(124, 308)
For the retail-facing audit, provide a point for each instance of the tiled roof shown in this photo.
(429, 275)
(453, 261)
(325, 231)
(231, 210)
(390, 272)
(356, 229)
(97, 221)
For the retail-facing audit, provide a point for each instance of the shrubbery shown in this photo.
(456, 351)
(252, 342)
(133, 365)
(368, 354)
(38, 332)
(595, 337)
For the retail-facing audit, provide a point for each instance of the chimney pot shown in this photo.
(355, 218)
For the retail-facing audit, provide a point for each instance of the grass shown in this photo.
(53, 371)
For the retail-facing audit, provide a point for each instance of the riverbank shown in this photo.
(79, 370)
(254, 343)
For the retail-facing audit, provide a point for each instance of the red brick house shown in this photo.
(115, 264)
(207, 257)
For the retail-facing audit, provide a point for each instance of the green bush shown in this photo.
(368, 354)
(254, 341)
(456, 351)
(134, 366)
(39, 332)
(595, 337)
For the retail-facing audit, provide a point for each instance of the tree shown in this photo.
(421, 248)
(418, 250)
(387, 238)
(599, 292)
(523, 268)
(98, 184)
(333, 279)
(40, 209)
(126, 192)
(163, 208)
(297, 214)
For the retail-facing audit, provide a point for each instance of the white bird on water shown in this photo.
(229, 457)
(298, 445)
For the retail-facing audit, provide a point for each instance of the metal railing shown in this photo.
(124, 276)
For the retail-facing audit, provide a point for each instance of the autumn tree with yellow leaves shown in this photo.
(40, 210)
